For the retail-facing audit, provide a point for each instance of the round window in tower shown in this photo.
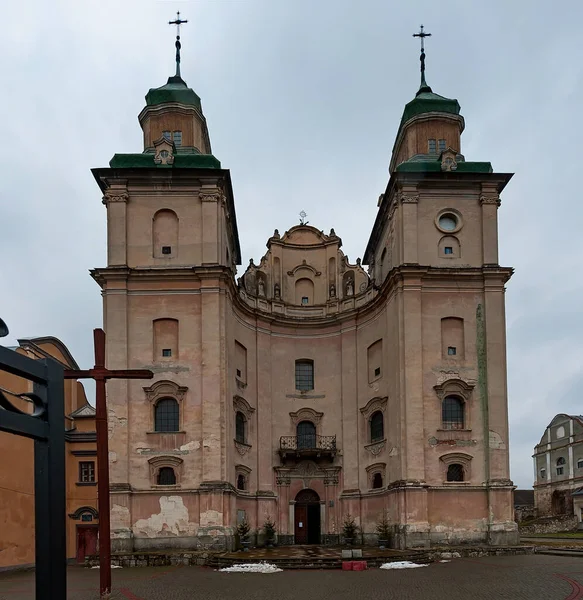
(448, 221)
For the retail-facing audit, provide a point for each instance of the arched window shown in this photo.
(166, 415)
(455, 472)
(166, 476)
(241, 482)
(304, 375)
(377, 481)
(306, 432)
(452, 413)
(240, 426)
(165, 234)
(377, 429)
(560, 465)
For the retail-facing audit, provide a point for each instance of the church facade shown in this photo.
(310, 388)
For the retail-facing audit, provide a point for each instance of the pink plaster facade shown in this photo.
(425, 322)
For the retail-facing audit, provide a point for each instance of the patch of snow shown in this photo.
(262, 567)
(112, 566)
(456, 555)
(445, 561)
(401, 564)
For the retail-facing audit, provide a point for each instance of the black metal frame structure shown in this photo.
(45, 425)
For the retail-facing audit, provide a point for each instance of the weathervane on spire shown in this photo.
(422, 34)
(178, 22)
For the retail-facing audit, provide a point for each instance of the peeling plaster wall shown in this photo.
(173, 519)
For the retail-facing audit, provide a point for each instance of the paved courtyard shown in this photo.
(514, 577)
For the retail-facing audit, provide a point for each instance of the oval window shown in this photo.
(448, 222)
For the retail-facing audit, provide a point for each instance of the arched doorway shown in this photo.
(307, 517)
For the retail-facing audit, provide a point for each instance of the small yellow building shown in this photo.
(17, 529)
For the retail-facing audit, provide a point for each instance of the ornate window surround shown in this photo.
(372, 406)
(157, 462)
(372, 470)
(461, 389)
(465, 460)
(241, 405)
(83, 510)
(246, 472)
(165, 389)
(306, 414)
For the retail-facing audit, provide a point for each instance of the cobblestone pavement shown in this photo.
(534, 577)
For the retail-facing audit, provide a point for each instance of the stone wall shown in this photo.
(550, 525)
(522, 513)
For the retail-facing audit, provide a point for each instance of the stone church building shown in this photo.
(308, 388)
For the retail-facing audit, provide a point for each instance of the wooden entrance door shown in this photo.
(86, 541)
(307, 518)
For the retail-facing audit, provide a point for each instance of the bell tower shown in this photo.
(173, 248)
(434, 248)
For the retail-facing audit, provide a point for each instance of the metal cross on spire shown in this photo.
(422, 35)
(178, 22)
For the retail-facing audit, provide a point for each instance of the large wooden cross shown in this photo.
(101, 374)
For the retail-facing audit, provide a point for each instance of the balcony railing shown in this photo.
(308, 444)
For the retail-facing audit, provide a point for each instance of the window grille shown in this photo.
(166, 415)
(432, 147)
(87, 472)
(304, 375)
(452, 413)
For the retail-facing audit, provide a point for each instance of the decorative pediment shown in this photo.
(456, 457)
(165, 388)
(306, 414)
(164, 151)
(241, 405)
(306, 235)
(165, 461)
(454, 386)
(306, 267)
(373, 405)
(85, 412)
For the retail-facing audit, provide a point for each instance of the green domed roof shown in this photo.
(175, 90)
(426, 101)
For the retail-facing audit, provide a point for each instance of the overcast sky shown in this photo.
(303, 99)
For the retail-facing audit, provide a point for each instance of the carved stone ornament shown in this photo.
(210, 195)
(165, 388)
(332, 476)
(453, 386)
(306, 414)
(115, 196)
(164, 152)
(409, 198)
(376, 448)
(241, 405)
(242, 449)
(490, 200)
(373, 405)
